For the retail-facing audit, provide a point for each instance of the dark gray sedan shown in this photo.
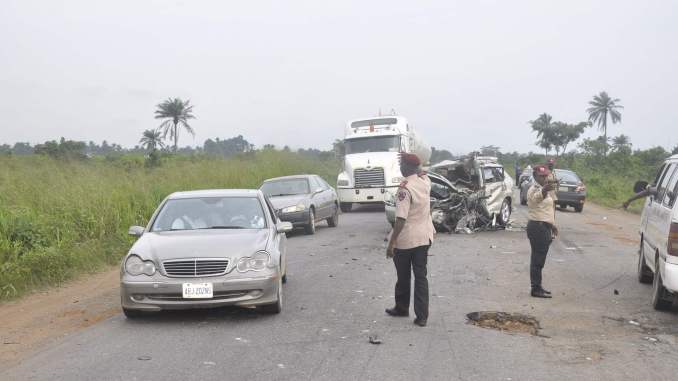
(571, 190)
(303, 200)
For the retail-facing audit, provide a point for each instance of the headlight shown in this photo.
(257, 262)
(342, 183)
(397, 180)
(136, 266)
(297, 208)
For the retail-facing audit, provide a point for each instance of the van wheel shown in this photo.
(645, 275)
(659, 293)
(346, 206)
(504, 212)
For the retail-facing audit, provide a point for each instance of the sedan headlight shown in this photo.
(296, 208)
(256, 262)
(134, 265)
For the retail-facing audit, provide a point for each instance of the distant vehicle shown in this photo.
(658, 254)
(571, 190)
(371, 163)
(303, 200)
(206, 249)
(480, 179)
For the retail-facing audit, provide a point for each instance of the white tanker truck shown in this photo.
(371, 164)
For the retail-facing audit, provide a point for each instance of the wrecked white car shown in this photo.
(467, 195)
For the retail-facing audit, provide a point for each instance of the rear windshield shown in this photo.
(568, 177)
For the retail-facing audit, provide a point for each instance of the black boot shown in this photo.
(395, 311)
(539, 293)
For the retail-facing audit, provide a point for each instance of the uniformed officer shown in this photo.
(411, 238)
(541, 228)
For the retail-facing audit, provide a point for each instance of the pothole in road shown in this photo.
(504, 321)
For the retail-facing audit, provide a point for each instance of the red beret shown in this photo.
(541, 170)
(410, 158)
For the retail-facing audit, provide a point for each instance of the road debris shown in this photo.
(651, 339)
(374, 339)
(281, 366)
(144, 358)
(633, 322)
(616, 292)
(210, 363)
(503, 321)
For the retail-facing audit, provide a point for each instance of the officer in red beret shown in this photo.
(541, 228)
(411, 239)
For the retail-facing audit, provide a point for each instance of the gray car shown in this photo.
(206, 249)
(303, 200)
(571, 190)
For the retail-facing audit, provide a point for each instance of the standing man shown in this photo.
(518, 173)
(411, 238)
(541, 228)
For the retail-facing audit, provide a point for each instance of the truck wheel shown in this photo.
(334, 220)
(644, 273)
(310, 226)
(346, 206)
(660, 296)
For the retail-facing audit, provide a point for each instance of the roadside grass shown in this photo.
(61, 219)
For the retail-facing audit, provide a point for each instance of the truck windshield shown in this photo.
(373, 144)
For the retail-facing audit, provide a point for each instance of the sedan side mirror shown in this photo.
(284, 227)
(136, 231)
(639, 186)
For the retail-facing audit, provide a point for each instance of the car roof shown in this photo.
(288, 177)
(215, 193)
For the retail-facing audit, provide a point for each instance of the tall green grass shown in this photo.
(61, 219)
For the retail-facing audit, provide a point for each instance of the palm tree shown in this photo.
(543, 127)
(151, 140)
(621, 143)
(175, 113)
(602, 106)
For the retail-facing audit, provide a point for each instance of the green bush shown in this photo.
(60, 219)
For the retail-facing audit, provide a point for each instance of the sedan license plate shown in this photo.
(564, 189)
(197, 290)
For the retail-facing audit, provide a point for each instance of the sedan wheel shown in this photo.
(276, 307)
(334, 220)
(310, 227)
(504, 212)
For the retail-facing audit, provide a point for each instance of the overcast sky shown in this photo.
(466, 73)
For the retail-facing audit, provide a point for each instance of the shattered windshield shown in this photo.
(373, 144)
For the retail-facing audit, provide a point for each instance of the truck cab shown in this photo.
(371, 168)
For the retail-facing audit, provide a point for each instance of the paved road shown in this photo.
(340, 283)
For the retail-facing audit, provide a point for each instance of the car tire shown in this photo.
(504, 212)
(132, 314)
(274, 308)
(310, 226)
(334, 220)
(660, 300)
(645, 274)
(579, 208)
(346, 206)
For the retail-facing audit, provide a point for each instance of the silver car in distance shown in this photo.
(205, 249)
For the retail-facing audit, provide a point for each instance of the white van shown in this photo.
(658, 254)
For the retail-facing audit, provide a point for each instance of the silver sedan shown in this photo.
(205, 249)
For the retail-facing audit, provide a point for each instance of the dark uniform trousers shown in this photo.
(407, 261)
(539, 234)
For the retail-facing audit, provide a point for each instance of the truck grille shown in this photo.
(195, 267)
(365, 178)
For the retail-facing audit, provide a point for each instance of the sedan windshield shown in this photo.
(211, 213)
(286, 187)
(373, 144)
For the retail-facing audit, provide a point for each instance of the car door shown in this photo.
(280, 239)
(493, 182)
(658, 215)
(330, 196)
(318, 198)
(664, 207)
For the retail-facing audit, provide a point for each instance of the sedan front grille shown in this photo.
(365, 178)
(195, 267)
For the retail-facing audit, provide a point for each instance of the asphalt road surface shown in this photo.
(339, 285)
